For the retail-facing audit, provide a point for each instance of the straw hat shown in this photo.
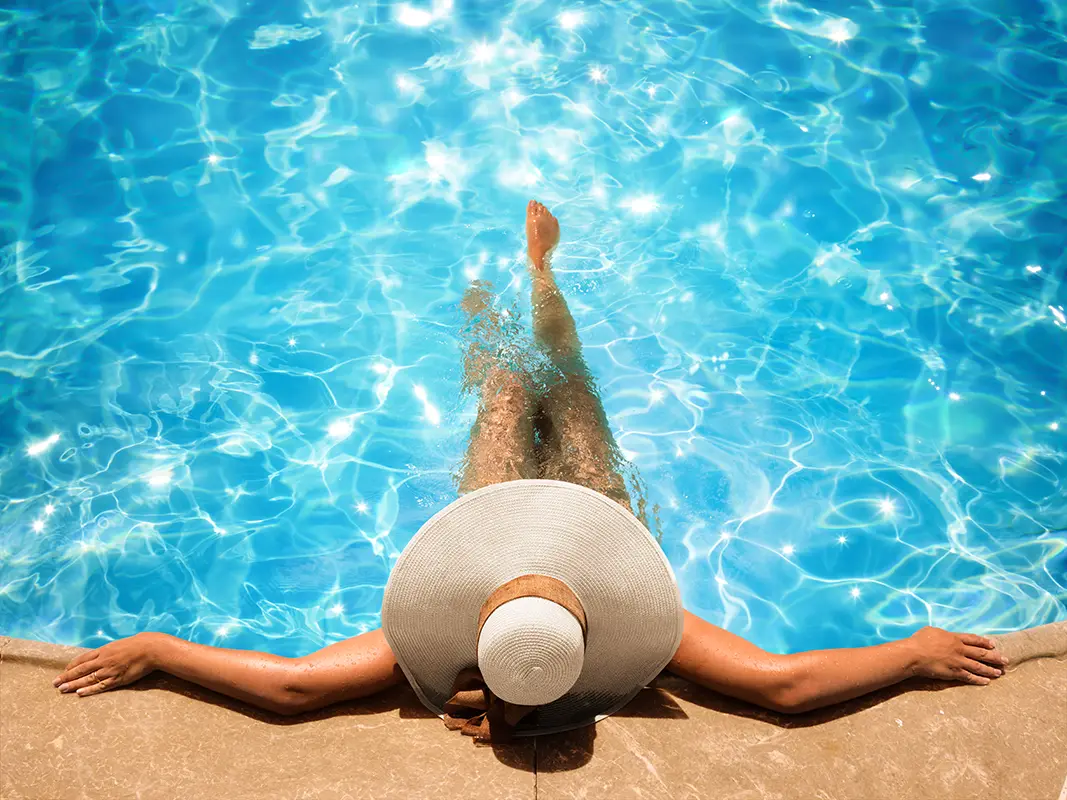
(557, 595)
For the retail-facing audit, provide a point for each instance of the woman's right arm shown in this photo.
(347, 670)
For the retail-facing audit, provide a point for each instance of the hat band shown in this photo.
(541, 586)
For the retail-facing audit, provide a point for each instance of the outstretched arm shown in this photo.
(719, 660)
(347, 670)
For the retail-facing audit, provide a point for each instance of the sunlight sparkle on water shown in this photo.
(412, 17)
(340, 429)
(887, 506)
(433, 416)
(842, 539)
(38, 525)
(788, 550)
(569, 20)
(445, 164)
(982, 177)
(855, 592)
(840, 31)
(37, 448)
(483, 53)
(643, 204)
(597, 75)
(159, 478)
(954, 396)
(908, 181)
(49, 510)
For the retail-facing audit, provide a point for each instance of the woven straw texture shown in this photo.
(530, 651)
(490, 536)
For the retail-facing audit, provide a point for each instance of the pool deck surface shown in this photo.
(163, 738)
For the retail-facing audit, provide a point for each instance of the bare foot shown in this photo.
(542, 233)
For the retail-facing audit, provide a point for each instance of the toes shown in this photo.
(537, 210)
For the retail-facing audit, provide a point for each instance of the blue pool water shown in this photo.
(815, 253)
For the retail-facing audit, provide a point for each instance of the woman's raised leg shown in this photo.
(577, 443)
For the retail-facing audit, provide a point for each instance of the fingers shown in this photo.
(88, 655)
(970, 677)
(988, 656)
(96, 688)
(94, 676)
(96, 681)
(76, 670)
(974, 640)
(978, 668)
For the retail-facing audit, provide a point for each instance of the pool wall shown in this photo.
(163, 738)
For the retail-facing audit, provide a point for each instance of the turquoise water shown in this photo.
(815, 254)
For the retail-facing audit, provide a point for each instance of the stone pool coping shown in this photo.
(164, 738)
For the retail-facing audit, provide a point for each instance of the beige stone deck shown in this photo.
(162, 738)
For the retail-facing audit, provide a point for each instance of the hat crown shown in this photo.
(531, 651)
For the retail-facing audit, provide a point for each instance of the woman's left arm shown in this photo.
(347, 670)
(801, 682)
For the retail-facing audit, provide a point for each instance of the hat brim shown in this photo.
(497, 533)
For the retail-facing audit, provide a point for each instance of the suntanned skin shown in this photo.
(576, 445)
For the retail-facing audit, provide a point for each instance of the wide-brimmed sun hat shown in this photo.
(544, 601)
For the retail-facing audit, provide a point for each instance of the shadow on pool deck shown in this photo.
(163, 738)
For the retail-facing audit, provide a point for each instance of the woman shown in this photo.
(536, 602)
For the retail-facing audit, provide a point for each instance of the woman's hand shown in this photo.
(115, 664)
(956, 656)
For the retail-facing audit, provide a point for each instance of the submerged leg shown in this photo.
(502, 438)
(577, 442)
